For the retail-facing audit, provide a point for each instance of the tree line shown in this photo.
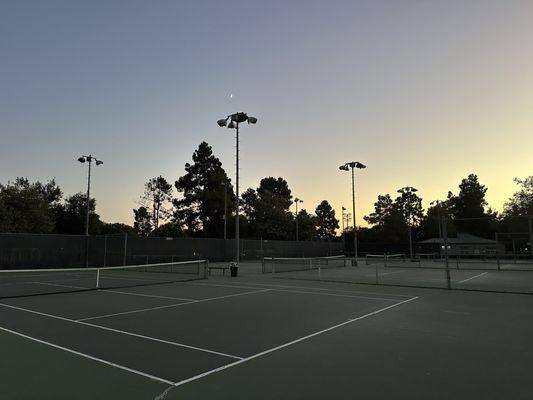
(197, 203)
(200, 200)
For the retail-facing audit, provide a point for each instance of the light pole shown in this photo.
(346, 167)
(343, 232)
(89, 159)
(438, 206)
(225, 206)
(232, 122)
(296, 201)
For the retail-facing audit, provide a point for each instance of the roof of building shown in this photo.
(462, 238)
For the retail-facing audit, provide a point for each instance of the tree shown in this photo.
(306, 225)
(142, 221)
(431, 223)
(28, 207)
(326, 222)
(410, 206)
(468, 208)
(170, 229)
(117, 228)
(521, 203)
(267, 209)
(71, 215)
(156, 198)
(384, 211)
(201, 206)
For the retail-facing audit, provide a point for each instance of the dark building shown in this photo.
(464, 244)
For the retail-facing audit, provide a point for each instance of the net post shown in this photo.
(530, 229)
(97, 278)
(206, 268)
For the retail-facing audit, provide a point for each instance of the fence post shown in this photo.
(445, 235)
(105, 249)
(530, 226)
(125, 248)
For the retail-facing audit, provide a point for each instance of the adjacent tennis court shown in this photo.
(170, 333)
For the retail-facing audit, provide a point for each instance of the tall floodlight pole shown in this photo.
(296, 201)
(225, 207)
(232, 122)
(89, 159)
(346, 167)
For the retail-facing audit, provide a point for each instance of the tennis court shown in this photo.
(258, 337)
(399, 270)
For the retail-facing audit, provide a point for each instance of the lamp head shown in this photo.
(98, 162)
(81, 159)
(252, 120)
(222, 122)
(344, 167)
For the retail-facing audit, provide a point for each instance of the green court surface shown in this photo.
(263, 338)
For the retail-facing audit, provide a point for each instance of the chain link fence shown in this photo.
(19, 251)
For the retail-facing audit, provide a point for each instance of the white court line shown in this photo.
(307, 292)
(233, 364)
(392, 272)
(146, 295)
(334, 295)
(274, 287)
(57, 284)
(173, 305)
(111, 364)
(472, 277)
(105, 328)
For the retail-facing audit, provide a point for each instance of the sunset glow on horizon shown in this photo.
(422, 93)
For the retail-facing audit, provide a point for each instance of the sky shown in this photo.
(422, 92)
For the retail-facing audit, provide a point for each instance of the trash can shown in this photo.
(233, 269)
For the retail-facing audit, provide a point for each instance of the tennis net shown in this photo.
(32, 282)
(385, 259)
(281, 264)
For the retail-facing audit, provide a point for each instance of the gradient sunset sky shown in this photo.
(422, 92)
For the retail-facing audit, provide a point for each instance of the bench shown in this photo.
(223, 268)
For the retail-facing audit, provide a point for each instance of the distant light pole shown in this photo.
(89, 159)
(296, 201)
(232, 122)
(225, 206)
(346, 167)
(438, 206)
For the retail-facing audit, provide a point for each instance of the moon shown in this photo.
(231, 96)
